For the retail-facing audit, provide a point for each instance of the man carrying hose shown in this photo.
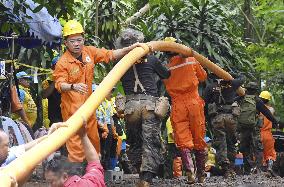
(187, 114)
(220, 97)
(73, 77)
(143, 126)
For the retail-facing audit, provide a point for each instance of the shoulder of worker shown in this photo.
(191, 59)
(153, 59)
(63, 59)
(93, 49)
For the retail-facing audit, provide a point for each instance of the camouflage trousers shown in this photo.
(224, 131)
(250, 143)
(144, 133)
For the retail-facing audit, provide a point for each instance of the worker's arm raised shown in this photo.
(90, 152)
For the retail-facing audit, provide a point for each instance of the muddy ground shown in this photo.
(239, 181)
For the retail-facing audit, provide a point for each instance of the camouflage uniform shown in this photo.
(250, 145)
(143, 126)
(220, 97)
(224, 130)
(145, 129)
(249, 124)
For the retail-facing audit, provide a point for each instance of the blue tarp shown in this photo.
(44, 29)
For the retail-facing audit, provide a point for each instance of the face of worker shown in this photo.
(75, 44)
(4, 146)
(54, 179)
(25, 82)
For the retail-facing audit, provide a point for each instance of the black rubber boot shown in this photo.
(200, 157)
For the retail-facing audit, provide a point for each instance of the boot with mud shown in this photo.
(258, 163)
(270, 171)
(142, 183)
(200, 157)
(228, 171)
(190, 177)
(145, 179)
(188, 163)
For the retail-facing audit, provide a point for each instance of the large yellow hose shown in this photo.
(23, 166)
(182, 49)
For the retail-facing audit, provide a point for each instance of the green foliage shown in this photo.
(110, 16)
(214, 28)
(7, 24)
(203, 25)
(268, 53)
(61, 9)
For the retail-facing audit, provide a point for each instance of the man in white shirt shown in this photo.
(7, 154)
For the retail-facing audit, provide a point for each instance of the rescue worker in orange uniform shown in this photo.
(187, 113)
(269, 153)
(73, 77)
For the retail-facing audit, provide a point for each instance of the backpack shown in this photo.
(248, 113)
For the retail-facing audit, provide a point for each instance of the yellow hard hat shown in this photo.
(265, 95)
(170, 39)
(72, 27)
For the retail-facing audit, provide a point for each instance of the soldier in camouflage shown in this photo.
(249, 124)
(143, 126)
(222, 110)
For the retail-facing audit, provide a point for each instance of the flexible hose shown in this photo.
(23, 166)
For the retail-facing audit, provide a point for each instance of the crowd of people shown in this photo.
(185, 131)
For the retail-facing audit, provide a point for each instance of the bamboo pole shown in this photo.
(23, 166)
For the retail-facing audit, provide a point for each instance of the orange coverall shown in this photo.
(267, 139)
(70, 70)
(187, 113)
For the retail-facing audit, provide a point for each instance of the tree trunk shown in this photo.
(248, 19)
(97, 19)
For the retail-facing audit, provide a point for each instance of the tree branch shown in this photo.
(138, 14)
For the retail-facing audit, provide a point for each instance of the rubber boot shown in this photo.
(126, 164)
(188, 163)
(143, 183)
(200, 157)
(270, 168)
(177, 167)
(228, 170)
(145, 179)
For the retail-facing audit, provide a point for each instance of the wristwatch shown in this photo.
(72, 86)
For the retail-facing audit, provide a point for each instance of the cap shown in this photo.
(22, 74)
